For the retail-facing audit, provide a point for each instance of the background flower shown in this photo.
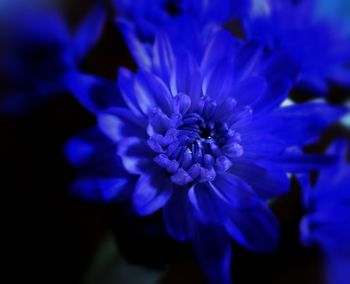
(317, 46)
(327, 215)
(38, 53)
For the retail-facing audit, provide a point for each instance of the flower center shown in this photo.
(194, 145)
(206, 133)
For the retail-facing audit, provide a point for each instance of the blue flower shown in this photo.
(327, 219)
(38, 51)
(317, 47)
(140, 20)
(209, 143)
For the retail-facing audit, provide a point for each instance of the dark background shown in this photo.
(51, 237)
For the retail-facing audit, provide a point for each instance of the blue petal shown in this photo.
(218, 83)
(226, 108)
(118, 123)
(338, 148)
(90, 30)
(178, 216)
(337, 269)
(261, 145)
(234, 191)
(247, 60)
(158, 123)
(126, 85)
(256, 228)
(267, 182)
(163, 57)
(150, 92)
(136, 155)
(89, 149)
(102, 189)
(276, 92)
(208, 203)
(187, 79)
(328, 227)
(139, 51)
(250, 90)
(78, 151)
(299, 124)
(299, 162)
(220, 46)
(151, 193)
(95, 94)
(111, 188)
(280, 65)
(213, 249)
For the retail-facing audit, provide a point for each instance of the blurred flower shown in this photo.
(317, 47)
(148, 17)
(209, 143)
(140, 20)
(38, 51)
(327, 218)
(337, 11)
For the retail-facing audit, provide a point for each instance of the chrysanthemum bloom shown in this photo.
(327, 219)
(140, 20)
(317, 47)
(38, 51)
(209, 144)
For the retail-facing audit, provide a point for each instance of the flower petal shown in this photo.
(267, 182)
(126, 86)
(218, 83)
(235, 191)
(163, 57)
(276, 92)
(90, 30)
(89, 148)
(102, 189)
(178, 216)
(207, 203)
(95, 94)
(218, 48)
(254, 228)
(139, 51)
(119, 123)
(186, 78)
(300, 162)
(310, 118)
(250, 90)
(338, 148)
(151, 193)
(246, 60)
(261, 145)
(338, 268)
(136, 155)
(214, 252)
(150, 91)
